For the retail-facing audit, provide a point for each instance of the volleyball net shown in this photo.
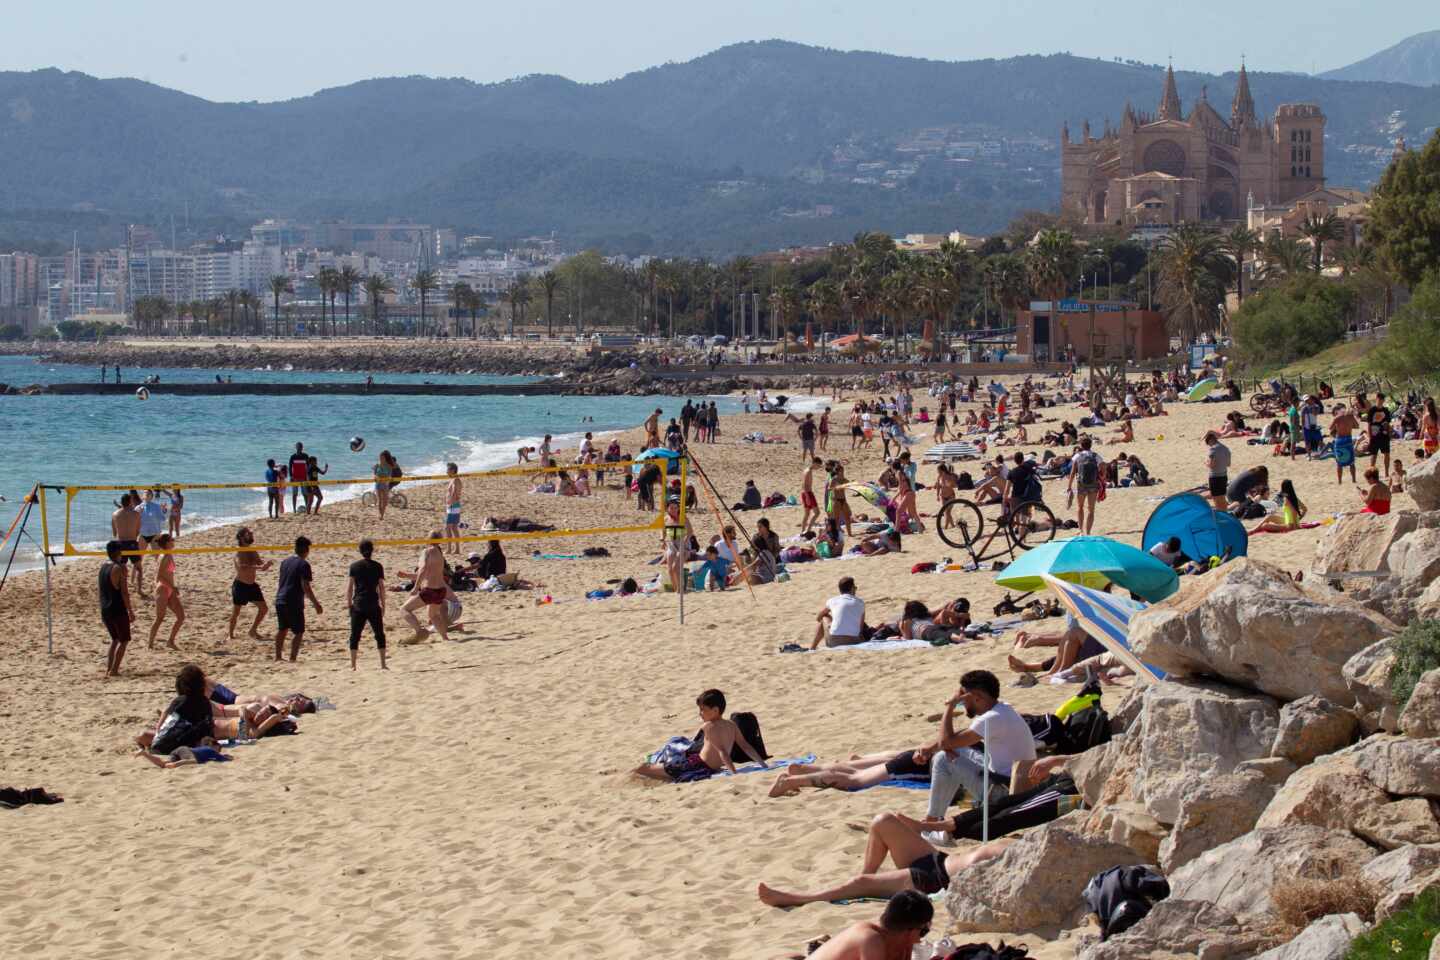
(526, 501)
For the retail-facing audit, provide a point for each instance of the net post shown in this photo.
(985, 797)
(49, 615)
(685, 577)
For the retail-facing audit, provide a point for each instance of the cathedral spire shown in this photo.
(1170, 99)
(1242, 108)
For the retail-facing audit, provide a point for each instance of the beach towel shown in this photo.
(12, 797)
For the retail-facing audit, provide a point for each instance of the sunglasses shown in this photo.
(925, 930)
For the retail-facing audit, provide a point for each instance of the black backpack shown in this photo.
(1084, 729)
(983, 951)
(1088, 472)
(749, 728)
(1121, 897)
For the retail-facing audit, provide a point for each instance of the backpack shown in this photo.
(175, 732)
(1084, 729)
(749, 728)
(983, 951)
(1088, 470)
(964, 481)
(1121, 897)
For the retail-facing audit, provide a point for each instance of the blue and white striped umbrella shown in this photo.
(1105, 617)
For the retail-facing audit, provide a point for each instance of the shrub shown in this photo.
(1417, 650)
(1301, 901)
(12, 332)
(1412, 343)
(1405, 935)
(1297, 319)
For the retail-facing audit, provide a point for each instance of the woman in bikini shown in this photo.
(167, 594)
(676, 534)
(1288, 517)
(837, 506)
(1430, 428)
(177, 504)
(1377, 497)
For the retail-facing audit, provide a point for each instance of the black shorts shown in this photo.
(856, 432)
(243, 593)
(149, 538)
(904, 765)
(928, 873)
(358, 619)
(1218, 485)
(291, 618)
(1380, 444)
(118, 627)
(130, 545)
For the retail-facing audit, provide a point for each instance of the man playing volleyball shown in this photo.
(429, 590)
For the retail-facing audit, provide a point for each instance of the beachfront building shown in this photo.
(1103, 329)
(1169, 167)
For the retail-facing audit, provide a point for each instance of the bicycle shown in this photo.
(397, 499)
(960, 524)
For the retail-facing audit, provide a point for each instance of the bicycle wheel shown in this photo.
(1032, 524)
(368, 498)
(959, 523)
(1260, 404)
(397, 500)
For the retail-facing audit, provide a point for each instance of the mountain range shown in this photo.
(752, 146)
(1414, 60)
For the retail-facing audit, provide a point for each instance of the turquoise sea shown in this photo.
(122, 440)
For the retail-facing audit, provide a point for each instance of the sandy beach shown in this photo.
(475, 800)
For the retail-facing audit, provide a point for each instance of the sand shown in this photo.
(475, 801)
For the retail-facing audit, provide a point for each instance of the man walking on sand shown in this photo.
(1217, 466)
(807, 496)
(1342, 428)
(294, 589)
(1085, 484)
(652, 429)
(452, 509)
(429, 591)
(808, 431)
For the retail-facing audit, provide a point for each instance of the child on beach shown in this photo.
(452, 508)
(719, 737)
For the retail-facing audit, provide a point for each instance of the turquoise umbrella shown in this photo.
(1092, 562)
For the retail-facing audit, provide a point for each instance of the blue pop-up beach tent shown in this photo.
(1203, 530)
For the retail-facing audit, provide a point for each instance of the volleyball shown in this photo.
(142, 394)
(357, 444)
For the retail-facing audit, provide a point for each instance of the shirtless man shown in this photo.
(244, 590)
(905, 922)
(652, 429)
(1343, 428)
(857, 773)
(125, 527)
(452, 509)
(825, 429)
(429, 591)
(807, 496)
(720, 736)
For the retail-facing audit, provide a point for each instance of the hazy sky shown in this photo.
(269, 50)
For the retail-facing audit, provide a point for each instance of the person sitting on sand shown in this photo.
(1234, 426)
(210, 719)
(841, 622)
(995, 729)
(858, 772)
(1126, 433)
(715, 570)
(719, 735)
(1071, 644)
(919, 866)
(1377, 495)
(1288, 517)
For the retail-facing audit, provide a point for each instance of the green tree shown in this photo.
(550, 283)
(346, 280)
(1320, 230)
(1006, 281)
(518, 296)
(425, 283)
(1412, 345)
(461, 293)
(1194, 272)
(1282, 258)
(1405, 213)
(325, 279)
(1293, 320)
(249, 311)
(1050, 262)
(279, 286)
(823, 302)
(376, 286)
(1239, 244)
(232, 300)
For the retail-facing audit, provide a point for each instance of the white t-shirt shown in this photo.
(847, 612)
(1008, 735)
(1161, 551)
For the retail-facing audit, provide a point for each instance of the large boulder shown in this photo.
(1415, 559)
(1217, 811)
(1190, 732)
(1421, 716)
(1312, 726)
(1038, 880)
(1403, 823)
(1248, 623)
(1406, 768)
(1422, 482)
(1326, 939)
(1367, 678)
(1239, 876)
(1128, 824)
(1362, 541)
(1399, 899)
(1330, 793)
(1104, 774)
(1399, 868)
(1180, 928)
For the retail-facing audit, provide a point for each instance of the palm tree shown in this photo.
(1193, 274)
(376, 286)
(1006, 280)
(550, 282)
(1320, 230)
(249, 305)
(346, 280)
(1284, 257)
(460, 295)
(1238, 244)
(740, 270)
(232, 298)
(325, 279)
(823, 302)
(1050, 262)
(959, 266)
(518, 295)
(279, 285)
(425, 282)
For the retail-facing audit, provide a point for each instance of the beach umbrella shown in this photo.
(1092, 562)
(1202, 388)
(809, 335)
(1203, 531)
(869, 491)
(1106, 618)
(954, 450)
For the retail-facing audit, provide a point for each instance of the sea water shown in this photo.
(76, 440)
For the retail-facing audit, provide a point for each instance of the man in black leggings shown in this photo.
(365, 597)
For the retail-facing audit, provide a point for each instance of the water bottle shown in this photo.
(945, 947)
(924, 950)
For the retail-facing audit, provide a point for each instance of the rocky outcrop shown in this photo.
(1179, 928)
(1362, 541)
(1312, 726)
(1422, 482)
(1421, 716)
(1037, 882)
(1399, 868)
(1128, 824)
(1217, 811)
(1367, 680)
(1406, 768)
(1402, 823)
(1249, 624)
(1190, 732)
(1326, 939)
(1104, 774)
(1239, 876)
(1330, 793)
